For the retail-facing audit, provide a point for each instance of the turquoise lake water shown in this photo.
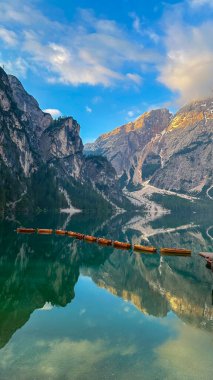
(74, 310)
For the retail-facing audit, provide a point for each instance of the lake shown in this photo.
(76, 310)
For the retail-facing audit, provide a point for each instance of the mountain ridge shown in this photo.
(39, 156)
(41, 159)
(177, 157)
(123, 150)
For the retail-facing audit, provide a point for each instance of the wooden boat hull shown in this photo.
(75, 235)
(26, 230)
(172, 254)
(103, 241)
(175, 251)
(60, 232)
(119, 244)
(89, 238)
(143, 248)
(44, 231)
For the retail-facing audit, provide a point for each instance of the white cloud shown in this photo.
(97, 99)
(62, 358)
(92, 58)
(142, 30)
(200, 3)
(25, 14)
(130, 113)
(82, 311)
(135, 78)
(153, 35)
(92, 51)
(136, 22)
(88, 109)
(127, 309)
(53, 112)
(17, 67)
(186, 342)
(8, 36)
(187, 69)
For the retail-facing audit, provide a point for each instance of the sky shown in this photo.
(105, 62)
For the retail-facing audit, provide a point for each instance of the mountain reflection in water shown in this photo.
(40, 272)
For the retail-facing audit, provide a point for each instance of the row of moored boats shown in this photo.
(107, 242)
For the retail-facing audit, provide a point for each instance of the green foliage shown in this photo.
(181, 206)
(10, 186)
(123, 180)
(44, 194)
(151, 164)
(84, 197)
(149, 170)
(57, 123)
(97, 157)
(44, 190)
(172, 202)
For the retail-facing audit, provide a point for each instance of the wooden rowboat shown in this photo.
(144, 248)
(104, 241)
(119, 244)
(60, 232)
(172, 254)
(44, 231)
(90, 238)
(26, 230)
(175, 251)
(76, 235)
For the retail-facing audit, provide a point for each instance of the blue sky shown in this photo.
(106, 62)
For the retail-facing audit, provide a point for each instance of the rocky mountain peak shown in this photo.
(38, 120)
(5, 91)
(61, 139)
(185, 152)
(3, 77)
(200, 111)
(153, 119)
(172, 153)
(25, 101)
(124, 146)
(42, 159)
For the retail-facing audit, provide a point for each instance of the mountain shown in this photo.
(124, 147)
(42, 165)
(185, 151)
(172, 153)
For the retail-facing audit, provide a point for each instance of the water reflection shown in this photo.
(63, 299)
(43, 270)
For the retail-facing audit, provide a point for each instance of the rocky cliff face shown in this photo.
(38, 121)
(61, 145)
(125, 146)
(185, 151)
(173, 153)
(15, 147)
(42, 155)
